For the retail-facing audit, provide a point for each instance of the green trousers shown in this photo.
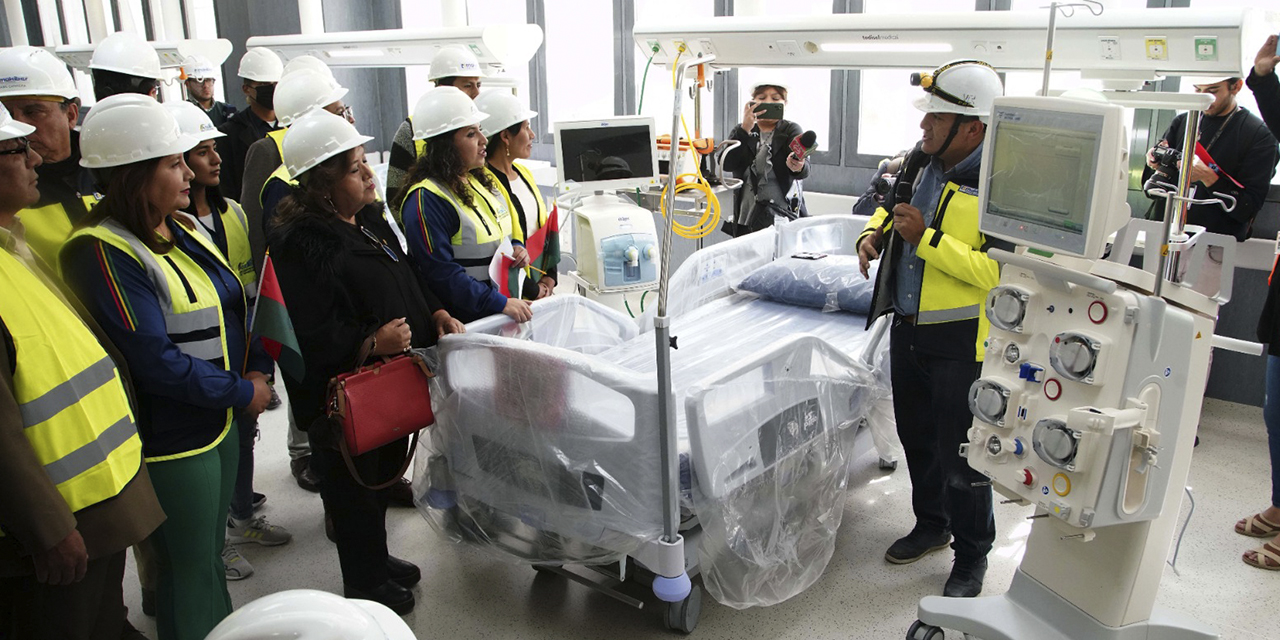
(195, 492)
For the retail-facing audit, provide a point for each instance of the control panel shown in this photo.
(616, 244)
(1069, 412)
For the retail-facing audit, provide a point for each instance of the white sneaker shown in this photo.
(237, 567)
(257, 530)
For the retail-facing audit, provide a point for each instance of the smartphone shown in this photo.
(772, 110)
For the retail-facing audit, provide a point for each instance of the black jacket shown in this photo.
(339, 288)
(739, 160)
(1266, 89)
(65, 182)
(1247, 152)
(242, 129)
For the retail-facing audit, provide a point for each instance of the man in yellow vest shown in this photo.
(934, 277)
(38, 90)
(76, 494)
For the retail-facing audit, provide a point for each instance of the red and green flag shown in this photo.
(544, 245)
(271, 323)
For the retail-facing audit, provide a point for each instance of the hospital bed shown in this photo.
(546, 448)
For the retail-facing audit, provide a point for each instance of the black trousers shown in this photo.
(91, 609)
(930, 400)
(359, 514)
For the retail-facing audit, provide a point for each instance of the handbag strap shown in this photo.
(351, 466)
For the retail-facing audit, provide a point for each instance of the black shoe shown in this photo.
(403, 572)
(916, 545)
(274, 402)
(400, 494)
(307, 479)
(259, 499)
(394, 596)
(149, 602)
(966, 579)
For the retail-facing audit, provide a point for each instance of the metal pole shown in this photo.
(662, 332)
(1175, 206)
(1048, 48)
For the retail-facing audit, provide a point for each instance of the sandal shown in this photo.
(1265, 557)
(1255, 526)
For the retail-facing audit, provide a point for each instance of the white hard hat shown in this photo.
(965, 87)
(193, 120)
(315, 137)
(126, 53)
(307, 614)
(304, 90)
(199, 68)
(128, 128)
(454, 61)
(261, 64)
(29, 71)
(768, 82)
(10, 128)
(444, 109)
(307, 62)
(503, 110)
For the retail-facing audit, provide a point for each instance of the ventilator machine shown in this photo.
(1092, 380)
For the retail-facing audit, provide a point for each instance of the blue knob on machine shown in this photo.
(1030, 372)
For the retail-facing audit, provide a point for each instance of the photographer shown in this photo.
(765, 163)
(1245, 155)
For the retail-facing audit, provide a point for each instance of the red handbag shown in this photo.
(380, 403)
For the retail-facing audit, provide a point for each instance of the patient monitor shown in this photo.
(1090, 388)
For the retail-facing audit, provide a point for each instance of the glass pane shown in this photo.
(808, 97)
(657, 98)
(915, 6)
(418, 15)
(579, 85)
(1244, 98)
(489, 12)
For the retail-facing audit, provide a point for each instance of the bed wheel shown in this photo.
(888, 465)
(683, 616)
(922, 631)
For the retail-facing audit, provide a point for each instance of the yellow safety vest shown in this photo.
(277, 136)
(953, 247)
(518, 232)
(47, 228)
(75, 412)
(188, 299)
(239, 254)
(419, 146)
(480, 230)
(281, 174)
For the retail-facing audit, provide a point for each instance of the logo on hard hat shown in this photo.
(206, 127)
(16, 79)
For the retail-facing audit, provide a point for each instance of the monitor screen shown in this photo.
(606, 153)
(1042, 173)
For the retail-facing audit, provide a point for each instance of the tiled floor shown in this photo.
(465, 594)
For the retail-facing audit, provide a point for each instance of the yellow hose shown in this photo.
(710, 219)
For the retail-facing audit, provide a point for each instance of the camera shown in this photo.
(1167, 160)
(883, 187)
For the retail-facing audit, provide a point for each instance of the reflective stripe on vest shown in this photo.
(188, 299)
(74, 409)
(235, 224)
(46, 228)
(480, 231)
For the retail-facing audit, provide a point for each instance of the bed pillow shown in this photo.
(829, 282)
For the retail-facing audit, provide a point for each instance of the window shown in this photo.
(418, 15)
(490, 12)
(580, 69)
(657, 98)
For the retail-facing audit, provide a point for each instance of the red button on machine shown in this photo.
(1027, 478)
(1052, 389)
(1098, 312)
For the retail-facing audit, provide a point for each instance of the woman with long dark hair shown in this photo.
(174, 307)
(454, 219)
(349, 290)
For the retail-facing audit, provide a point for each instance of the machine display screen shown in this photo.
(1042, 173)
(599, 154)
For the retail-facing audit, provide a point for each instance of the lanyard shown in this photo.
(1218, 133)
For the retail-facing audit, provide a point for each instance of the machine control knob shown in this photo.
(1007, 307)
(998, 447)
(1056, 443)
(632, 254)
(1012, 353)
(1074, 356)
(988, 401)
(1097, 312)
(1027, 477)
(650, 252)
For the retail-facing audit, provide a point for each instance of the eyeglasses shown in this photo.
(24, 149)
(346, 112)
(380, 243)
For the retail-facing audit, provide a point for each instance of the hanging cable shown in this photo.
(710, 219)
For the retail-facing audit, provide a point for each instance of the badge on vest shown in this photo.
(972, 191)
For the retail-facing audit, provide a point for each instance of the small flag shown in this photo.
(503, 272)
(544, 244)
(271, 323)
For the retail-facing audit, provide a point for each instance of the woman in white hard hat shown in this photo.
(764, 162)
(176, 310)
(223, 222)
(124, 63)
(510, 138)
(450, 67)
(454, 221)
(349, 290)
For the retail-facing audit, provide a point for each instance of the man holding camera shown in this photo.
(934, 276)
(1243, 154)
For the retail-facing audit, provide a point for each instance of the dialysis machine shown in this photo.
(1091, 385)
(615, 240)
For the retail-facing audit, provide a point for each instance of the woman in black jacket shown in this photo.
(348, 288)
(765, 163)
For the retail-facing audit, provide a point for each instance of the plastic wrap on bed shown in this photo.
(772, 454)
(713, 273)
(571, 322)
